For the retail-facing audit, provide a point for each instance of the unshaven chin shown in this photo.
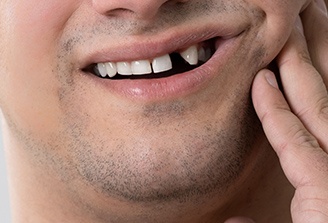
(186, 161)
(166, 151)
(167, 155)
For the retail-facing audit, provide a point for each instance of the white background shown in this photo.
(4, 197)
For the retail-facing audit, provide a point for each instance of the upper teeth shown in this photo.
(156, 65)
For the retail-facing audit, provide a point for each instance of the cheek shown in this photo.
(31, 105)
(280, 7)
(280, 16)
(28, 84)
(33, 28)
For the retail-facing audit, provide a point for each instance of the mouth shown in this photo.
(161, 66)
(176, 64)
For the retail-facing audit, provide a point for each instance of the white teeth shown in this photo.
(161, 64)
(124, 68)
(141, 67)
(111, 69)
(102, 69)
(190, 55)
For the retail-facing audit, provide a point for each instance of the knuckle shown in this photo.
(301, 137)
(317, 110)
(304, 57)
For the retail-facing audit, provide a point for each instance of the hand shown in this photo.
(296, 121)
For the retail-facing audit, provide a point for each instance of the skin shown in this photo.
(202, 157)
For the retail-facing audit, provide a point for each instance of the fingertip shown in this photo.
(266, 94)
(271, 78)
(268, 76)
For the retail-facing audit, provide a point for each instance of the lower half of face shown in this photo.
(193, 149)
(161, 148)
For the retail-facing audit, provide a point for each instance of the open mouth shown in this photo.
(179, 61)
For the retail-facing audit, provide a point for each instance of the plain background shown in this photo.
(4, 196)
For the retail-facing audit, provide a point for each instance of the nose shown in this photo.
(141, 9)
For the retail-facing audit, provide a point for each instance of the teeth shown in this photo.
(111, 69)
(201, 54)
(141, 67)
(161, 64)
(190, 55)
(124, 68)
(208, 54)
(157, 65)
(102, 69)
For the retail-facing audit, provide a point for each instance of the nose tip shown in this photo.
(141, 9)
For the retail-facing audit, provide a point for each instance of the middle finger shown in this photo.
(303, 87)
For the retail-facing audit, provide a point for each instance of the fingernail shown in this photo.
(271, 79)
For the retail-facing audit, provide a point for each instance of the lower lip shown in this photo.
(175, 86)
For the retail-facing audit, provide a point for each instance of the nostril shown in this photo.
(119, 12)
(145, 9)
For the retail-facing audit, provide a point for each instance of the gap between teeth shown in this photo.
(157, 65)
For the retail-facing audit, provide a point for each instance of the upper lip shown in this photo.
(147, 47)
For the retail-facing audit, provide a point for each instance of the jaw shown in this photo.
(137, 151)
(131, 154)
(171, 169)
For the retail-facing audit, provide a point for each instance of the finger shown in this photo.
(322, 5)
(303, 86)
(301, 157)
(315, 23)
(239, 220)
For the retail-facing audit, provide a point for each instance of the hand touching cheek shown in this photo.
(296, 121)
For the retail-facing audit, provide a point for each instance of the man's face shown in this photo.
(179, 135)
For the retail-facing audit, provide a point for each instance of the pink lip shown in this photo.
(175, 86)
(131, 48)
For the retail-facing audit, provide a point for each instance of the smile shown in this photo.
(174, 65)
(166, 65)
